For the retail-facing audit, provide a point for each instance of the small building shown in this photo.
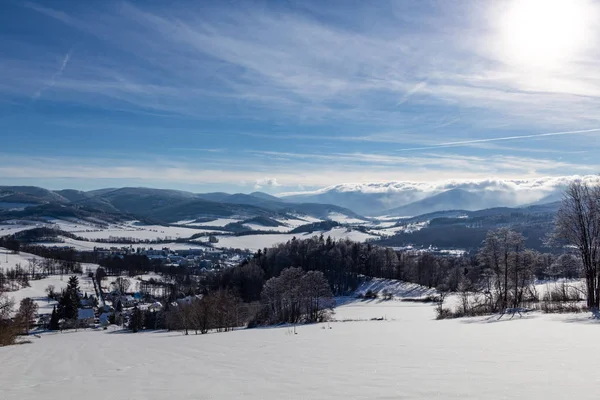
(128, 301)
(87, 301)
(189, 299)
(104, 319)
(85, 316)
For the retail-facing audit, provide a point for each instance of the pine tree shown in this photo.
(137, 320)
(70, 300)
(54, 318)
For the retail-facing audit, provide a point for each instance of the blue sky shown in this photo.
(286, 96)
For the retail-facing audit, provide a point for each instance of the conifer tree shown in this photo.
(70, 300)
(54, 318)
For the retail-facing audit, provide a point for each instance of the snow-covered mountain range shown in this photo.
(403, 198)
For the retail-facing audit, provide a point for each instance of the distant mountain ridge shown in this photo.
(403, 198)
(396, 199)
(158, 205)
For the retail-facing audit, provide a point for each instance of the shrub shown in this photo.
(563, 293)
(445, 313)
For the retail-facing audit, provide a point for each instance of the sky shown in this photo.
(283, 96)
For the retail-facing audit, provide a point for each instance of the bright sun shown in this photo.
(545, 33)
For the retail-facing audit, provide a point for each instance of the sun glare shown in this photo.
(545, 33)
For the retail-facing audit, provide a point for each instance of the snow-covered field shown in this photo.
(255, 242)
(87, 246)
(129, 229)
(150, 232)
(344, 219)
(258, 227)
(37, 288)
(216, 222)
(37, 292)
(343, 233)
(8, 259)
(408, 355)
(9, 229)
(398, 289)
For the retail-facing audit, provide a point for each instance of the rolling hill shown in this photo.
(153, 205)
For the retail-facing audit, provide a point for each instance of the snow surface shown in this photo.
(255, 242)
(344, 219)
(399, 289)
(37, 289)
(258, 227)
(76, 224)
(9, 260)
(408, 355)
(216, 222)
(87, 246)
(37, 292)
(9, 229)
(143, 232)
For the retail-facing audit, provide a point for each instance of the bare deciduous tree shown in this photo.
(296, 296)
(50, 291)
(122, 284)
(8, 330)
(26, 313)
(578, 225)
(502, 255)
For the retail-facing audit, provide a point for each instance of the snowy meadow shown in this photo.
(407, 355)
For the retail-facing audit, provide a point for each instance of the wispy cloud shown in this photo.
(308, 170)
(293, 63)
(55, 76)
(362, 92)
(500, 139)
(268, 182)
(411, 92)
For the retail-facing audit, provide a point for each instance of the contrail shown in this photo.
(56, 75)
(411, 92)
(467, 142)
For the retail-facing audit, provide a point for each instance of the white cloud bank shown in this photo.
(533, 188)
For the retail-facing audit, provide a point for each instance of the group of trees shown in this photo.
(8, 331)
(499, 276)
(220, 310)
(505, 272)
(296, 296)
(14, 278)
(130, 264)
(342, 263)
(35, 269)
(507, 268)
(578, 226)
(12, 326)
(51, 261)
(68, 306)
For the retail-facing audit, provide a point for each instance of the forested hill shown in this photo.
(150, 205)
(467, 230)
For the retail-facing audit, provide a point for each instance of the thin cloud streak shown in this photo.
(418, 87)
(506, 138)
(55, 76)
